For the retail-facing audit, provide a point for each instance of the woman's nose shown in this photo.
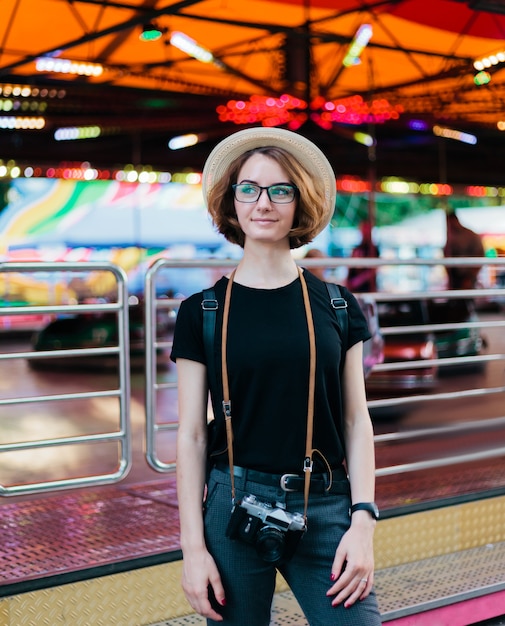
(264, 199)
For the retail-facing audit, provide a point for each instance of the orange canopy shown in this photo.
(417, 65)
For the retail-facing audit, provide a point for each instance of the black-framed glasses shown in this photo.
(279, 194)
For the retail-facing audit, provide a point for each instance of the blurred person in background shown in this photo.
(315, 253)
(462, 242)
(364, 279)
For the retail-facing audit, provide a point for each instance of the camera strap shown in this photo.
(307, 462)
(226, 386)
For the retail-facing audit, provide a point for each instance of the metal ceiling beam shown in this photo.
(128, 24)
(106, 4)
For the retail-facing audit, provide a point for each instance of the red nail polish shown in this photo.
(332, 576)
(223, 602)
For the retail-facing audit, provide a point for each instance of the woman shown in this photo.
(297, 402)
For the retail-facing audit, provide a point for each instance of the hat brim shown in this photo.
(302, 149)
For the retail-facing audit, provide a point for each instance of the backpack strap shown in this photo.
(339, 305)
(210, 306)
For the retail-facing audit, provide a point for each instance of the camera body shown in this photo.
(271, 529)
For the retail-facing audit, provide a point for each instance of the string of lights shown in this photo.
(146, 175)
(294, 111)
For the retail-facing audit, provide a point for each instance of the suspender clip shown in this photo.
(227, 409)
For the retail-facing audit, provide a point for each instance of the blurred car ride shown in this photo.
(23, 323)
(407, 347)
(97, 330)
(459, 342)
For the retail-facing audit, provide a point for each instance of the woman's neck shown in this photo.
(266, 268)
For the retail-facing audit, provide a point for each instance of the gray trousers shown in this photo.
(249, 581)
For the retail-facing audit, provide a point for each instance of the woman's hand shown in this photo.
(202, 584)
(353, 567)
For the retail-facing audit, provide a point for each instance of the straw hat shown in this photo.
(302, 149)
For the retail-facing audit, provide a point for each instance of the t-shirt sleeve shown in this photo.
(188, 332)
(357, 327)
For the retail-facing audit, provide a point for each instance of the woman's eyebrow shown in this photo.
(253, 182)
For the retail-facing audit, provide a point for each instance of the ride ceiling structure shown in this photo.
(280, 62)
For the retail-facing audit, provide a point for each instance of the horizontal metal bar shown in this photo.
(168, 303)
(61, 441)
(108, 393)
(164, 345)
(338, 262)
(458, 428)
(166, 427)
(442, 361)
(159, 386)
(453, 294)
(60, 308)
(54, 354)
(424, 328)
(463, 360)
(440, 462)
(27, 267)
(66, 483)
(394, 401)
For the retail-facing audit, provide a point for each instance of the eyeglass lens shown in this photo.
(279, 194)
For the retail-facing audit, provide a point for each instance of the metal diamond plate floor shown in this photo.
(91, 528)
(285, 612)
(86, 529)
(401, 590)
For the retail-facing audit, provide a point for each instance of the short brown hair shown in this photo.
(311, 204)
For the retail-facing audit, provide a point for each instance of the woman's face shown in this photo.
(264, 220)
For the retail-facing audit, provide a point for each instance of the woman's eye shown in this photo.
(280, 191)
(248, 190)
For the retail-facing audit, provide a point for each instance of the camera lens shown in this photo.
(270, 544)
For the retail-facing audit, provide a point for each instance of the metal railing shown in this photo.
(121, 436)
(154, 427)
(154, 384)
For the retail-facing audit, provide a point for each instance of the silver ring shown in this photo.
(364, 580)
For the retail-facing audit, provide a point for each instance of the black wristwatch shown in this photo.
(371, 507)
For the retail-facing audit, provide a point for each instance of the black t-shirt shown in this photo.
(268, 370)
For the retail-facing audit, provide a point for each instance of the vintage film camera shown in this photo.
(271, 529)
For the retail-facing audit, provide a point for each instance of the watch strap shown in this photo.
(371, 507)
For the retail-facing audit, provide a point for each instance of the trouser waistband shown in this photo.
(336, 482)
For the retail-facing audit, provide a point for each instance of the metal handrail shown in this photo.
(122, 434)
(456, 459)
(450, 395)
(446, 429)
(54, 354)
(152, 386)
